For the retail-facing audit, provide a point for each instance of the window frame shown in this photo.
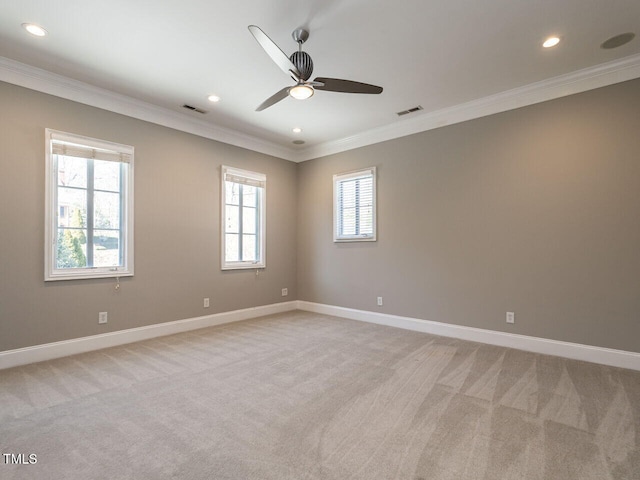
(51, 271)
(261, 228)
(352, 175)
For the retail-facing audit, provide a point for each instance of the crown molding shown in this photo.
(616, 71)
(44, 81)
(590, 78)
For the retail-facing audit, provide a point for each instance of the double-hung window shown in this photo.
(243, 217)
(354, 206)
(89, 208)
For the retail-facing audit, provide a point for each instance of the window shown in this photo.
(243, 200)
(354, 206)
(89, 208)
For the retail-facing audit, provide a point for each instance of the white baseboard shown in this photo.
(576, 351)
(49, 351)
(588, 353)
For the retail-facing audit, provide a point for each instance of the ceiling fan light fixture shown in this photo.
(301, 92)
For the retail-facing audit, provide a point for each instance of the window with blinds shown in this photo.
(243, 217)
(89, 208)
(354, 206)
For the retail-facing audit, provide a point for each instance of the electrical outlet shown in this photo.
(206, 303)
(379, 301)
(511, 317)
(102, 317)
(285, 292)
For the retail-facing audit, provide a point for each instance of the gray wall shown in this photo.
(177, 227)
(535, 210)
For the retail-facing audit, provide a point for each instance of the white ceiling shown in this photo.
(436, 54)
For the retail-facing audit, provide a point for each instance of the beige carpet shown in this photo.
(306, 396)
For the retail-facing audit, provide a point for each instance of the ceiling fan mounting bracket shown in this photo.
(300, 35)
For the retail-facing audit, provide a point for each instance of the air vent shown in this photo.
(194, 109)
(618, 40)
(411, 110)
(298, 142)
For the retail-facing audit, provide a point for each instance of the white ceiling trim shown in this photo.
(57, 85)
(598, 76)
(601, 75)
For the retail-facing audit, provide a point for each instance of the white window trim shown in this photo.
(371, 171)
(52, 273)
(258, 177)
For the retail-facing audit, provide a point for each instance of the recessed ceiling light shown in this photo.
(296, 130)
(34, 29)
(551, 42)
(214, 98)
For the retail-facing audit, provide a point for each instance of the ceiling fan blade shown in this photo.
(277, 55)
(346, 86)
(273, 99)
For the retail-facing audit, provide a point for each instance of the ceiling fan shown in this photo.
(300, 67)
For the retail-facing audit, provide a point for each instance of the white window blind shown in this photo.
(67, 144)
(80, 151)
(243, 219)
(354, 206)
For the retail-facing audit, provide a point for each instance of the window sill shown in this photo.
(354, 239)
(87, 274)
(244, 266)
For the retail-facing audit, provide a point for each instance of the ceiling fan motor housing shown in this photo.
(304, 64)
